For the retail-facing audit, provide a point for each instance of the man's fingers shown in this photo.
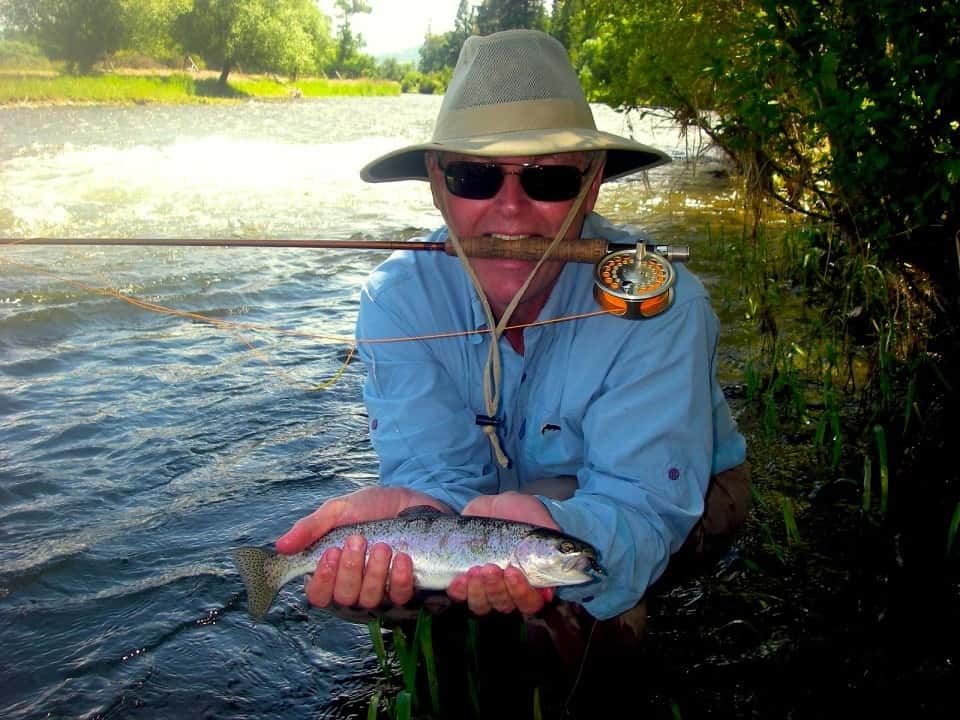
(511, 506)
(346, 589)
(482, 506)
(309, 528)
(319, 588)
(458, 589)
(401, 579)
(477, 592)
(375, 577)
(527, 599)
(496, 590)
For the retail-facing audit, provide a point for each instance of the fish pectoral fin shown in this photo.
(419, 511)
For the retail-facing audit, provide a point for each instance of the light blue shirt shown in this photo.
(632, 408)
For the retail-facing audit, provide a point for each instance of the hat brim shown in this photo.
(624, 156)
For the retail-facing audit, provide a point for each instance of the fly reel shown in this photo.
(635, 284)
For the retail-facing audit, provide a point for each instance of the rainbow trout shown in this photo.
(441, 546)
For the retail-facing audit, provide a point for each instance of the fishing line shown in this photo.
(235, 327)
(583, 664)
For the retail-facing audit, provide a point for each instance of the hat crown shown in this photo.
(513, 66)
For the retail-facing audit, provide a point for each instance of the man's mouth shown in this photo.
(502, 236)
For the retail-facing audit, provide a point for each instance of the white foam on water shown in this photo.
(209, 186)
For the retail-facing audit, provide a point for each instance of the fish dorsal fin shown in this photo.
(419, 511)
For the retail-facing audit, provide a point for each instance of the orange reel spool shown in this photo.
(635, 284)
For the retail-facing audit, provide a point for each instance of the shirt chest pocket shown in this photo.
(553, 445)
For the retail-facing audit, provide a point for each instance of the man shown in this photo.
(606, 428)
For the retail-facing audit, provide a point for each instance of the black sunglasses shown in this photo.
(482, 180)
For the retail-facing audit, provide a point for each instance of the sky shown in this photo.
(399, 24)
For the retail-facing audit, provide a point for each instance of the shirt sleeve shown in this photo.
(648, 439)
(421, 427)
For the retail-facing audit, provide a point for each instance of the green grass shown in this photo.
(174, 88)
(259, 87)
(321, 87)
(103, 88)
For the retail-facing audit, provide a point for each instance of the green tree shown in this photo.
(81, 32)
(496, 15)
(349, 60)
(150, 24)
(440, 52)
(435, 52)
(393, 69)
(563, 23)
(464, 25)
(282, 35)
(846, 110)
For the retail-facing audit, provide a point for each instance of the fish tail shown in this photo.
(257, 568)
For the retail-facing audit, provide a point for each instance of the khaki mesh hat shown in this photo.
(514, 93)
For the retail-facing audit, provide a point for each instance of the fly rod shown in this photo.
(585, 250)
(631, 280)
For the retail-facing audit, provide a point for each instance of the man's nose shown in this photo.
(512, 194)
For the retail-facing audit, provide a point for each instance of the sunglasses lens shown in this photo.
(551, 183)
(473, 181)
(543, 183)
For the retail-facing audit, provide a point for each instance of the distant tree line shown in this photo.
(290, 37)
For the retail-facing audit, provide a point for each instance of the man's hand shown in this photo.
(488, 587)
(341, 576)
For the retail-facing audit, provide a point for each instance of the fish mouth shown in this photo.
(587, 567)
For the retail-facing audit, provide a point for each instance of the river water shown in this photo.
(138, 448)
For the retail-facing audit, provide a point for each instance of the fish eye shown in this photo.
(566, 546)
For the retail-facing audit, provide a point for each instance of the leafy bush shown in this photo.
(15, 55)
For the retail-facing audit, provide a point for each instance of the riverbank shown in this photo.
(139, 87)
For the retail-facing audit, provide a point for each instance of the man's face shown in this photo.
(510, 213)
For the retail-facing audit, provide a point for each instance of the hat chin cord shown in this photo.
(492, 369)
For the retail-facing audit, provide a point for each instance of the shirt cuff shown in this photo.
(602, 598)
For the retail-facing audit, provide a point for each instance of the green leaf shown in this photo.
(404, 705)
(952, 532)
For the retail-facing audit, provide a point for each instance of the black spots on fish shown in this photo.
(477, 545)
(549, 428)
(423, 511)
